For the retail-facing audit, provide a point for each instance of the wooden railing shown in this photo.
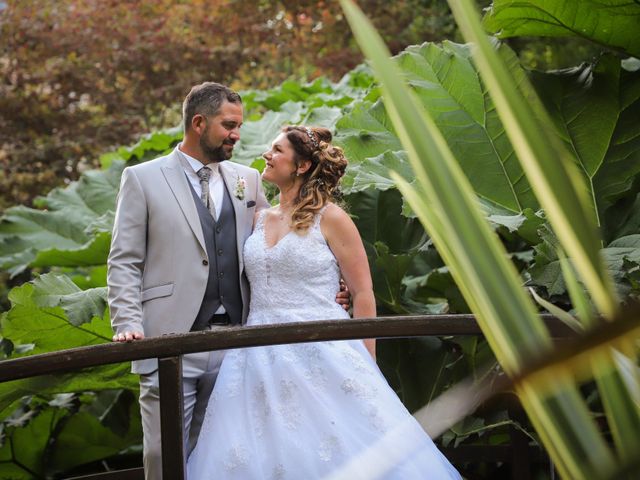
(169, 349)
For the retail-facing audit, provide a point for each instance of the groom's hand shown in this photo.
(128, 336)
(343, 297)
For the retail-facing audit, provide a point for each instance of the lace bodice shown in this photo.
(297, 279)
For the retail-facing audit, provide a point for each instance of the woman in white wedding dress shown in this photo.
(313, 410)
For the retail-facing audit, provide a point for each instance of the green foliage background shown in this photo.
(64, 241)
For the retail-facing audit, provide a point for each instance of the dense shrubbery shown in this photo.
(81, 77)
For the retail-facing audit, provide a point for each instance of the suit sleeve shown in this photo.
(261, 199)
(126, 261)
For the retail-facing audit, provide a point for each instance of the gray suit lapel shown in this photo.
(174, 174)
(231, 177)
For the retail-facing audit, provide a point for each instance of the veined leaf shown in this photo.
(55, 313)
(376, 213)
(52, 313)
(449, 208)
(621, 258)
(595, 109)
(320, 92)
(22, 454)
(152, 145)
(549, 167)
(388, 270)
(59, 235)
(366, 132)
(397, 247)
(448, 86)
(256, 136)
(323, 117)
(373, 173)
(53, 437)
(417, 369)
(84, 438)
(49, 291)
(612, 23)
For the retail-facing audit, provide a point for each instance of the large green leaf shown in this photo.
(448, 86)
(612, 23)
(50, 290)
(435, 287)
(376, 213)
(22, 454)
(52, 313)
(149, 146)
(417, 369)
(595, 109)
(56, 314)
(621, 257)
(320, 92)
(623, 218)
(548, 165)
(86, 438)
(366, 132)
(71, 231)
(51, 437)
(398, 248)
(256, 136)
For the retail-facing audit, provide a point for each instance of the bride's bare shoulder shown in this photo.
(334, 212)
(334, 217)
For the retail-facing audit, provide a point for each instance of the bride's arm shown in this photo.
(344, 240)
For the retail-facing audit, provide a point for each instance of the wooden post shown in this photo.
(521, 462)
(172, 418)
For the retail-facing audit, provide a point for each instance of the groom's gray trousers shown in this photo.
(199, 373)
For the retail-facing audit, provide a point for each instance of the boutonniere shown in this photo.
(241, 184)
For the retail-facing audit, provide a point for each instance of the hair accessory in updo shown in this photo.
(312, 137)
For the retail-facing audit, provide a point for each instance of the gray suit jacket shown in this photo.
(158, 266)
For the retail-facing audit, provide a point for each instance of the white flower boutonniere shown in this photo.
(241, 184)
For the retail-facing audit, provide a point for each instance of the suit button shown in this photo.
(221, 274)
(218, 229)
(220, 251)
(205, 263)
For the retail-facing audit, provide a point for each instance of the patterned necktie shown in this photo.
(205, 174)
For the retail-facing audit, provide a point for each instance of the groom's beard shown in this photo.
(216, 154)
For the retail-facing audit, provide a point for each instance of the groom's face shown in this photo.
(221, 133)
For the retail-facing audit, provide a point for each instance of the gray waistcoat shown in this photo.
(223, 285)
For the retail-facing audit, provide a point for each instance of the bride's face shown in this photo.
(280, 168)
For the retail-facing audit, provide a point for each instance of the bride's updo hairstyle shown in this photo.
(321, 181)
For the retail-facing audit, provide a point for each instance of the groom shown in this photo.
(176, 263)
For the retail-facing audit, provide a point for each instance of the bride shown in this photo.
(313, 410)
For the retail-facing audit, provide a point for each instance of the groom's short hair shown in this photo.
(206, 99)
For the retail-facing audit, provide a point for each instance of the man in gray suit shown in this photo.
(176, 263)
